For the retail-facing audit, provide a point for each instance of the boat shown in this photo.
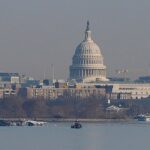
(143, 117)
(34, 123)
(24, 122)
(4, 123)
(76, 125)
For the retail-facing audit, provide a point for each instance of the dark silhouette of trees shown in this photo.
(71, 107)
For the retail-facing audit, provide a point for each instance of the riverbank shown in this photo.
(90, 120)
(70, 120)
(64, 110)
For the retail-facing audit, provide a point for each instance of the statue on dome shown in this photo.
(88, 26)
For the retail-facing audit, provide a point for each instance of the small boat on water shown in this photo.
(34, 123)
(4, 123)
(76, 125)
(143, 118)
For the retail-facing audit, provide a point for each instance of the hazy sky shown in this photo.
(37, 33)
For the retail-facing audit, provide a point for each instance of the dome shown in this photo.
(87, 62)
(88, 48)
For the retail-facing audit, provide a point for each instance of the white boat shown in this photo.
(143, 118)
(34, 123)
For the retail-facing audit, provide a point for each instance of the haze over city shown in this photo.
(35, 34)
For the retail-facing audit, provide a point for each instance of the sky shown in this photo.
(37, 33)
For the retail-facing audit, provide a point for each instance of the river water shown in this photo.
(93, 136)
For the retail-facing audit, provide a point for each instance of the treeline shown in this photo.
(92, 107)
(17, 107)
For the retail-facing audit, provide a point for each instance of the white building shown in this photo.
(87, 62)
(125, 90)
(137, 91)
(15, 79)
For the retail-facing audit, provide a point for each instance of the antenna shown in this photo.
(53, 73)
(44, 74)
(149, 68)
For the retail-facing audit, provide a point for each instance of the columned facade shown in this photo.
(87, 62)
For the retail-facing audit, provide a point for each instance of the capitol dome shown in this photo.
(87, 62)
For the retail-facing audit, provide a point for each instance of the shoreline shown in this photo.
(90, 120)
(71, 120)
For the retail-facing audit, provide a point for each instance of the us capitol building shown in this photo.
(88, 70)
(87, 62)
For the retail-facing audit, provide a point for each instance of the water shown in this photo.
(93, 136)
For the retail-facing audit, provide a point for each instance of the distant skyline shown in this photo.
(37, 33)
